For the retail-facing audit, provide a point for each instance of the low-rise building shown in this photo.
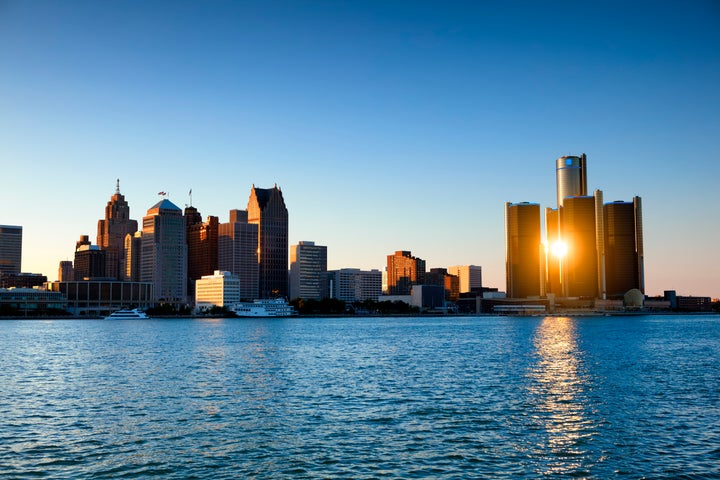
(221, 289)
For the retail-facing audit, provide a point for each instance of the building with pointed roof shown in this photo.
(266, 208)
(111, 232)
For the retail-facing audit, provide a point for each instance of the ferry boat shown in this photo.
(276, 307)
(127, 315)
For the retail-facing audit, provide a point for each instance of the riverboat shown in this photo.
(276, 307)
(127, 315)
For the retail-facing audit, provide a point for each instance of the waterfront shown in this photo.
(416, 397)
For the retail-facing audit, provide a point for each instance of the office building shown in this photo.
(623, 247)
(308, 271)
(133, 254)
(221, 289)
(111, 232)
(66, 272)
(164, 253)
(238, 252)
(578, 230)
(90, 260)
(266, 208)
(449, 282)
(469, 277)
(354, 285)
(523, 260)
(404, 271)
(554, 251)
(202, 242)
(103, 296)
(10, 249)
(571, 177)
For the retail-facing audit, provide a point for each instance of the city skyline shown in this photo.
(387, 126)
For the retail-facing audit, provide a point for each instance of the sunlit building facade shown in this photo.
(578, 231)
(523, 260)
(469, 277)
(238, 252)
(111, 233)
(355, 285)
(571, 177)
(133, 256)
(308, 271)
(404, 271)
(164, 253)
(624, 269)
(221, 289)
(266, 208)
(10, 249)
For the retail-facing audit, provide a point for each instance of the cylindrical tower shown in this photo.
(571, 174)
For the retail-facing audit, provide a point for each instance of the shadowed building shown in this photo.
(578, 230)
(238, 252)
(202, 243)
(308, 271)
(623, 247)
(355, 285)
(524, 264)
(111, 234)
(10, 249)
(266, 208)
(164, 253)
(404, 271)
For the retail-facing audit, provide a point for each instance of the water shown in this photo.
(459, 397)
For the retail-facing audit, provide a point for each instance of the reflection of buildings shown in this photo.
(558, 396)
(522, 249)
(404, 271)
(266, 208)
(308, 271)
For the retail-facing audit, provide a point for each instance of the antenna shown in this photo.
(190, 195)
(117, 187)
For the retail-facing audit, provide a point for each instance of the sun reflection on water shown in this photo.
(559, 402)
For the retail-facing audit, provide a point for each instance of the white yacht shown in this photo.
(127, 315)
(276, 307)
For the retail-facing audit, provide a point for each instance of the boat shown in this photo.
(276, 307)
(127, 315)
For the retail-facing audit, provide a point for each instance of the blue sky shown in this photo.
(389, 125)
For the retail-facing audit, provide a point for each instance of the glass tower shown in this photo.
(571, 174)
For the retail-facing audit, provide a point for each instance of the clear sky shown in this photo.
(388, 125)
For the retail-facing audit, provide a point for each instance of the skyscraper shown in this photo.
(202, 242)
(111, 233)
(238, 252)
(623, 247)
(266, 208)
(571, 176)
(577, 226)
(524, 266)
(10, 249)
(308, 271)
(164, 253)
(404, 271)
(553, 253)
(469, 276)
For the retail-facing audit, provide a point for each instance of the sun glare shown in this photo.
(559, 248)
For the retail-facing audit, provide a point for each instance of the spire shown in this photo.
(117, 187)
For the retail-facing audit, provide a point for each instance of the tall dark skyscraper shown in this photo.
(623, 247)
(10, 249)
(266, 208)
(524, 264)
(571, 176)
(202, 242)
(238, 252)
(111, 234)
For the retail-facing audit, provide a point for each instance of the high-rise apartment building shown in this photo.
(469, 277)
(571, 177)
(164, 253)
(266, 208)
(624, 254)
(111, 232)
(10, 249)
(238, 252)
(404, 271)
(308, 271)
(202, 242)
(524, 263)
(355, 285)
(578, 230)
